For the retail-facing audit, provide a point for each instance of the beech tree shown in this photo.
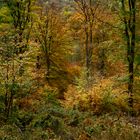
(14, 43)
(51, 34)
(129, 20)
(88, 9)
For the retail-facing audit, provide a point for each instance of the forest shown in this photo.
(69, 70)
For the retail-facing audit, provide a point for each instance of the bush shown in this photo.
(103, 97)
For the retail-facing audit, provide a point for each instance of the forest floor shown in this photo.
(42, 116)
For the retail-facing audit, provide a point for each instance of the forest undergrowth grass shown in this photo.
(99, 114)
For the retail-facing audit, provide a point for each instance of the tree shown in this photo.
(14, 40)
(129, 20)
(54, 44)
(89, 10)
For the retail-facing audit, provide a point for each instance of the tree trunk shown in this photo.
(132, 7)
(87, 57)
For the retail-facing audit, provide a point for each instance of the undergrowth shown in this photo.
(97, 114)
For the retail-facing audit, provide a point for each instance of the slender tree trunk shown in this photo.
(132, 5)
(90, 49)
(87, 57)
(48, 66)
(48, 56)
(6, 88)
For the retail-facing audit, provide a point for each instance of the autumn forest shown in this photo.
(69, 70)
